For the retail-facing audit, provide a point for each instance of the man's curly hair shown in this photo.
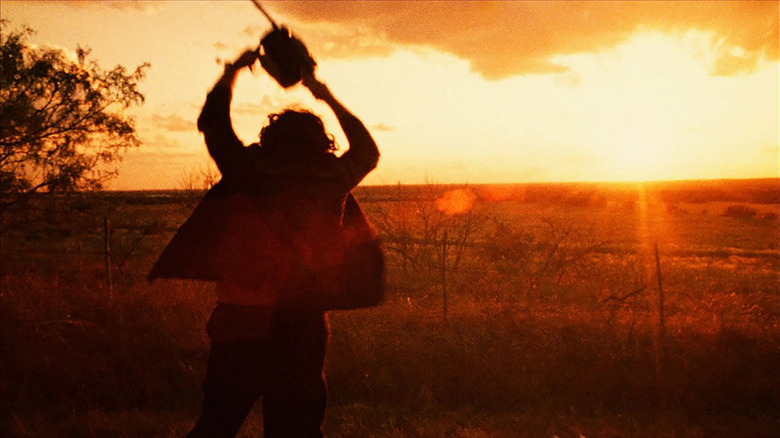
(296, 134)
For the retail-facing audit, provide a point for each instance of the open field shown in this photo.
(532, 310)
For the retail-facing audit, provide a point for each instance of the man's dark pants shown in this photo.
(284, 368)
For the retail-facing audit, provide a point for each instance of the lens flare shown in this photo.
(456, 201)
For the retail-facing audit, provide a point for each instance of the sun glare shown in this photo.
(637, 160)
(645, 95)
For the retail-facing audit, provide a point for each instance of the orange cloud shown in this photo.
(173, 123)
(501, 39)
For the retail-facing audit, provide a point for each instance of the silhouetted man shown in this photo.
(269, 234)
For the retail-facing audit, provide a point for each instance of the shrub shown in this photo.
(740, 212)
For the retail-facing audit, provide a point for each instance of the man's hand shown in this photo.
(247, 59)
(317, 88)
(228, 78)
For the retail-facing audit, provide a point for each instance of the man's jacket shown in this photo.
(288, 229)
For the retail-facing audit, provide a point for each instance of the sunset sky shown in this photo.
(460, 92)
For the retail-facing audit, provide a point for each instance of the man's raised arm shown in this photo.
(363, 154)
(214, 120)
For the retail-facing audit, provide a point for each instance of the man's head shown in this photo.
(296, 134)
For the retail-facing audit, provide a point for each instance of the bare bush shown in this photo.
(538, 262)
(422, 222)
(740, 212)
(196, 182)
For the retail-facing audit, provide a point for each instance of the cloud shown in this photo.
(159, 144)
(382, 127)
(125, 5)
(173, 123)
(502, 39)
(258, 109)
(69, 54)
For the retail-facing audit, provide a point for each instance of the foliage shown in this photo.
(62, 121)
(740, 211)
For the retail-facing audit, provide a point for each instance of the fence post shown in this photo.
(660, 332)
(107, 257)
(444, 275)
(661, 316)
(404, 252)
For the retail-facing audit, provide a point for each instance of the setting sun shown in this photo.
(657, 114)
(638, 158)
(649, 83)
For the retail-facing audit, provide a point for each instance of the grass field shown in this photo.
(529, 310)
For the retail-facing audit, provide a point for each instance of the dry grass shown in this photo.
(551, 325)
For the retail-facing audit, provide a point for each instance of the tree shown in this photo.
(63, 122)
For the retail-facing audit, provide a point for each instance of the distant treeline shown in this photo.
(753, 191)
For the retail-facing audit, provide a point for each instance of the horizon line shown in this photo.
(462, 184)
